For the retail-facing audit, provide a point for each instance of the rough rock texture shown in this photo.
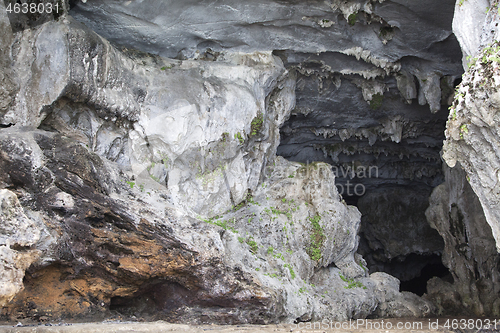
(390, 233)
(472, 128)
(156, 191)
(395, 304)
(468, 26)
(469, 252)
(17, 234)
(368, 73)
(357, 114)
(118, 105)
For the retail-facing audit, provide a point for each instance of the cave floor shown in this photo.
(366, 326)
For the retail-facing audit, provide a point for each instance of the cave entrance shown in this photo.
(418, 285)
(386, 159)
(393, 123)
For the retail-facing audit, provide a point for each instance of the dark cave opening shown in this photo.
(418, 285)
(390, 183)
(386, 160)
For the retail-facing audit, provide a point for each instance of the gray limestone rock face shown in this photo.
(471, 130)
(156, 190)
(191, 28)
(468, 26)
(286, 253)
(368, 72)
(18, 234)
(175, 114)
(395, 304)
(469, 251)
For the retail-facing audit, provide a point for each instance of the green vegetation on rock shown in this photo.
(352, 18)
(351, 283)
(376, 101)
(257, 123)
(317, 238)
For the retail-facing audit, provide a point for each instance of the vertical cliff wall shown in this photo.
(464, 208)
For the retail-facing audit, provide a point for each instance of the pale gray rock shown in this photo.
(195, 100)
(364, 88)
(465, 210)
(471, 134)
(260, 255)
(18, 234)
(468, 25)
(156, 181)
(395, 304)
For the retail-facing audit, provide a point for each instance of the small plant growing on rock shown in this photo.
(463, 129)
(376, 101)
(317, 238)
(239, 137)
(351, 283)
(290, 269)
(352, 19)
(253, 245)
(257, 123)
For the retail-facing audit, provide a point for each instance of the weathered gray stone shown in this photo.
(394, 304)
(468, 26)
(469, 252)
(18, 234)
(156, 183)
(472, 127)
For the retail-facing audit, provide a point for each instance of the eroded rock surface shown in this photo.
(469, 252)
(17, 234)
(158, 194)
(472, 127)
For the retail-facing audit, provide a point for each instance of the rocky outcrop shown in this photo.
(153, 190)
(115, 106)
(464, 209)
(18, 234)
(396, 304)
(469, 252)
(471, 130)
(112, 253)
(374, 80)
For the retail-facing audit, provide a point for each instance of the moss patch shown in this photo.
(317, 238)
(376, 101)
(352, 19)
